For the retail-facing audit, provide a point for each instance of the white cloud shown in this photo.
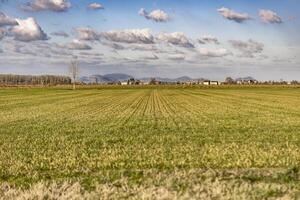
(87, 34)
(140, 36)
(175, 38)
(53, 5)
(214, 52)
(232, 15)
(208, 39)
(39, 48)
(95, 6)
(134, 36)
(269, 16)
(76, 45)
(155, 15)
(28, 30)
(247, 48)
(143, 12)
(6, 21)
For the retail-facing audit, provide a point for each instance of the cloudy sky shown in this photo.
(167, 38)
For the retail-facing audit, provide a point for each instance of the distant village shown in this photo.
(113, 79)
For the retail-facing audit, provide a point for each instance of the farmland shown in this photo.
(169, 140)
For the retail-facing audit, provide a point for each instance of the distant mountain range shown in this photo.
(169, 80)
(245, 79)
(107, 78)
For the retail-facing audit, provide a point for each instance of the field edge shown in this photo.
(168, 184)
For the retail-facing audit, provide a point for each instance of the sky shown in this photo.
(152, 38)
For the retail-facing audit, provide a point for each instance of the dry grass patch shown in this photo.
(178, 184)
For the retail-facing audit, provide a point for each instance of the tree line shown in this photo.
(10, 79)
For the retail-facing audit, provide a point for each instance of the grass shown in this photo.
(98, 136)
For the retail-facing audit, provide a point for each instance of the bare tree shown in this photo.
(74, 71)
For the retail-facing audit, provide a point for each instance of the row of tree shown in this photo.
(10, 79)
(250, 80)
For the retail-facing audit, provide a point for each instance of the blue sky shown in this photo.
(217, 38)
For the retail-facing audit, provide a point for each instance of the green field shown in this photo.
(169, 140)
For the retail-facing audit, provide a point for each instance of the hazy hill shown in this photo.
(247, 78)
(107, 78)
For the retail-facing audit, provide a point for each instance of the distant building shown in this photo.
(132, 81)
(190, 82)
(246, 81)
(214, 83)
(206, 82)
(153, 81)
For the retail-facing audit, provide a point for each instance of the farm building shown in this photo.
(246, 80)
(206, 82)
(211, 83)
(214, 82)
